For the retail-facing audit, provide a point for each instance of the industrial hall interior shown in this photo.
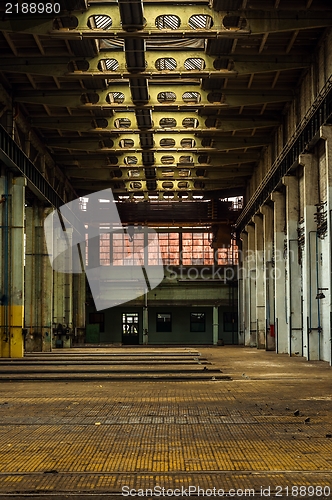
(201, 134)
(165, 249)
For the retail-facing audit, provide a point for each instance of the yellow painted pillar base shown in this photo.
(11, 341)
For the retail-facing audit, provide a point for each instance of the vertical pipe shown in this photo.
(331, 338)
(276, 334)
(308, 339)
(330, 214)
(318, 300)
(145, 339)
(6, 259)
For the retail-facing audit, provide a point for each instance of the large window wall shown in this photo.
(186, 247)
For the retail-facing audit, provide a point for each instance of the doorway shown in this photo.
(130, 329)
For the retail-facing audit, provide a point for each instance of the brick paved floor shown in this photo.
(129, 425)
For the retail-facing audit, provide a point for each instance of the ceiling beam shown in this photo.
(221, 144)
(65, 67)
(263, 42)
(292, 41)
(258, 21)
(10, 43)
(101, 160)
(39, 44)
(106, 174)
(231, 97)
(224, 124)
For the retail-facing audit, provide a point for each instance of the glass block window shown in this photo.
(196, 249)
(169, 249)
(229, 255)
(105, 249)
(127, 252)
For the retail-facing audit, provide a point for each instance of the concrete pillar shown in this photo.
(58, 288)
(38, 283)
(251, 290)
(311, 320)
(79, 297)
(12, 266)
(293, 268)
(3, 264)
(268, 231)
(215, 319)
(68, 293)
(326, 282)
(242, 299)
(279, 274)
(260, 282)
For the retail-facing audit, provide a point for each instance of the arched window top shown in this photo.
(193, 97)
(130, 160)
(167, 142)
(186, 159)
(126, 143)
(196, 63)
(166, 97)
(115, 98)
(167, 172)
(122, 123)
(190, 123)
(134, 173)
(101, 22)
(165, 64)
(187, 142)
(167, 185)
(167, 122)
(200, 22)
(168, 22)
(167, 160)
(108, 65)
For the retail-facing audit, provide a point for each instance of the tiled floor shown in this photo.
(250, 420)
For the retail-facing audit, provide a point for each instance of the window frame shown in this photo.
(93, 320)
(158, 323)
(197, 322)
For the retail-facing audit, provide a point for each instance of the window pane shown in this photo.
(196, 249)
(164, 322)
(127, 252)
(197, 322)
(229, 255)
(230, 322)
(169, 249)
(105, 249)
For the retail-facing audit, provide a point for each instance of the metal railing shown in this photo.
(14, 158)
(299, 143)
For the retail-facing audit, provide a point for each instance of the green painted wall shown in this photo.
(180, 333)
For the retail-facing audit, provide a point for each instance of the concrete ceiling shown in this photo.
(159, 101)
